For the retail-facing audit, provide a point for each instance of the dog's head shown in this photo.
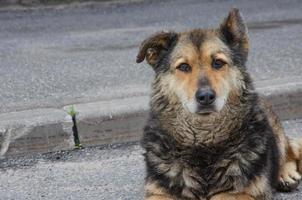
(202, 68)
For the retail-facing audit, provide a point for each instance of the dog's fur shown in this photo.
(234, 150)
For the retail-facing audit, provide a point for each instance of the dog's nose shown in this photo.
(205, 97)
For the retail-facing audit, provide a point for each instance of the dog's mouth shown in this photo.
(205, 110)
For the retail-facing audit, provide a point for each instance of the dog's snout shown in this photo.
(205, 97)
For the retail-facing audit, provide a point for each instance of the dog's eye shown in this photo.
(217, 63)
(184, 67)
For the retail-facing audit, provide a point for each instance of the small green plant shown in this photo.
(72, 112)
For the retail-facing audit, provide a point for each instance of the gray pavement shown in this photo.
(114, 172)
(60, 56)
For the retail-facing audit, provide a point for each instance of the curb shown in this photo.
(112, 121)
(39, 130)
(285, 95)
(118, 120)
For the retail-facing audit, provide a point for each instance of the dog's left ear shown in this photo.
(154, 47)
(234, 32)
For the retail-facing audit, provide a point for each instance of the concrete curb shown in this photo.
(39, 130)
(115, 121)
(284, 94)
(112, 121)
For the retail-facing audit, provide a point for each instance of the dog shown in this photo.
(209, 136)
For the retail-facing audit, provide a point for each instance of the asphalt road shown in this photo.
(115, 172)
(54, 57)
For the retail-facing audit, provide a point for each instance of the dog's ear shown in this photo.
(154, 47)
(234, 32)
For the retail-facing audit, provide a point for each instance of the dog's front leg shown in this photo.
(154, 192)
(231, 196)
(290, 171)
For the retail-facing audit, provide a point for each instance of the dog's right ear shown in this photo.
(154, 47)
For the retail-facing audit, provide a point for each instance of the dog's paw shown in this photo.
(289, 178)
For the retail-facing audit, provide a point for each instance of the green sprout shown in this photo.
(73, 113)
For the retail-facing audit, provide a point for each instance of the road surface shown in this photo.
(79, 54)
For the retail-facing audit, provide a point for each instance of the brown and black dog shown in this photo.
(208, 135)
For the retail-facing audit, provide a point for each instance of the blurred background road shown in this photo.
(77, 54)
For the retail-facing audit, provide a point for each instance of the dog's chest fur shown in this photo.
(191, 165)
(191, 171)
(196, 171)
